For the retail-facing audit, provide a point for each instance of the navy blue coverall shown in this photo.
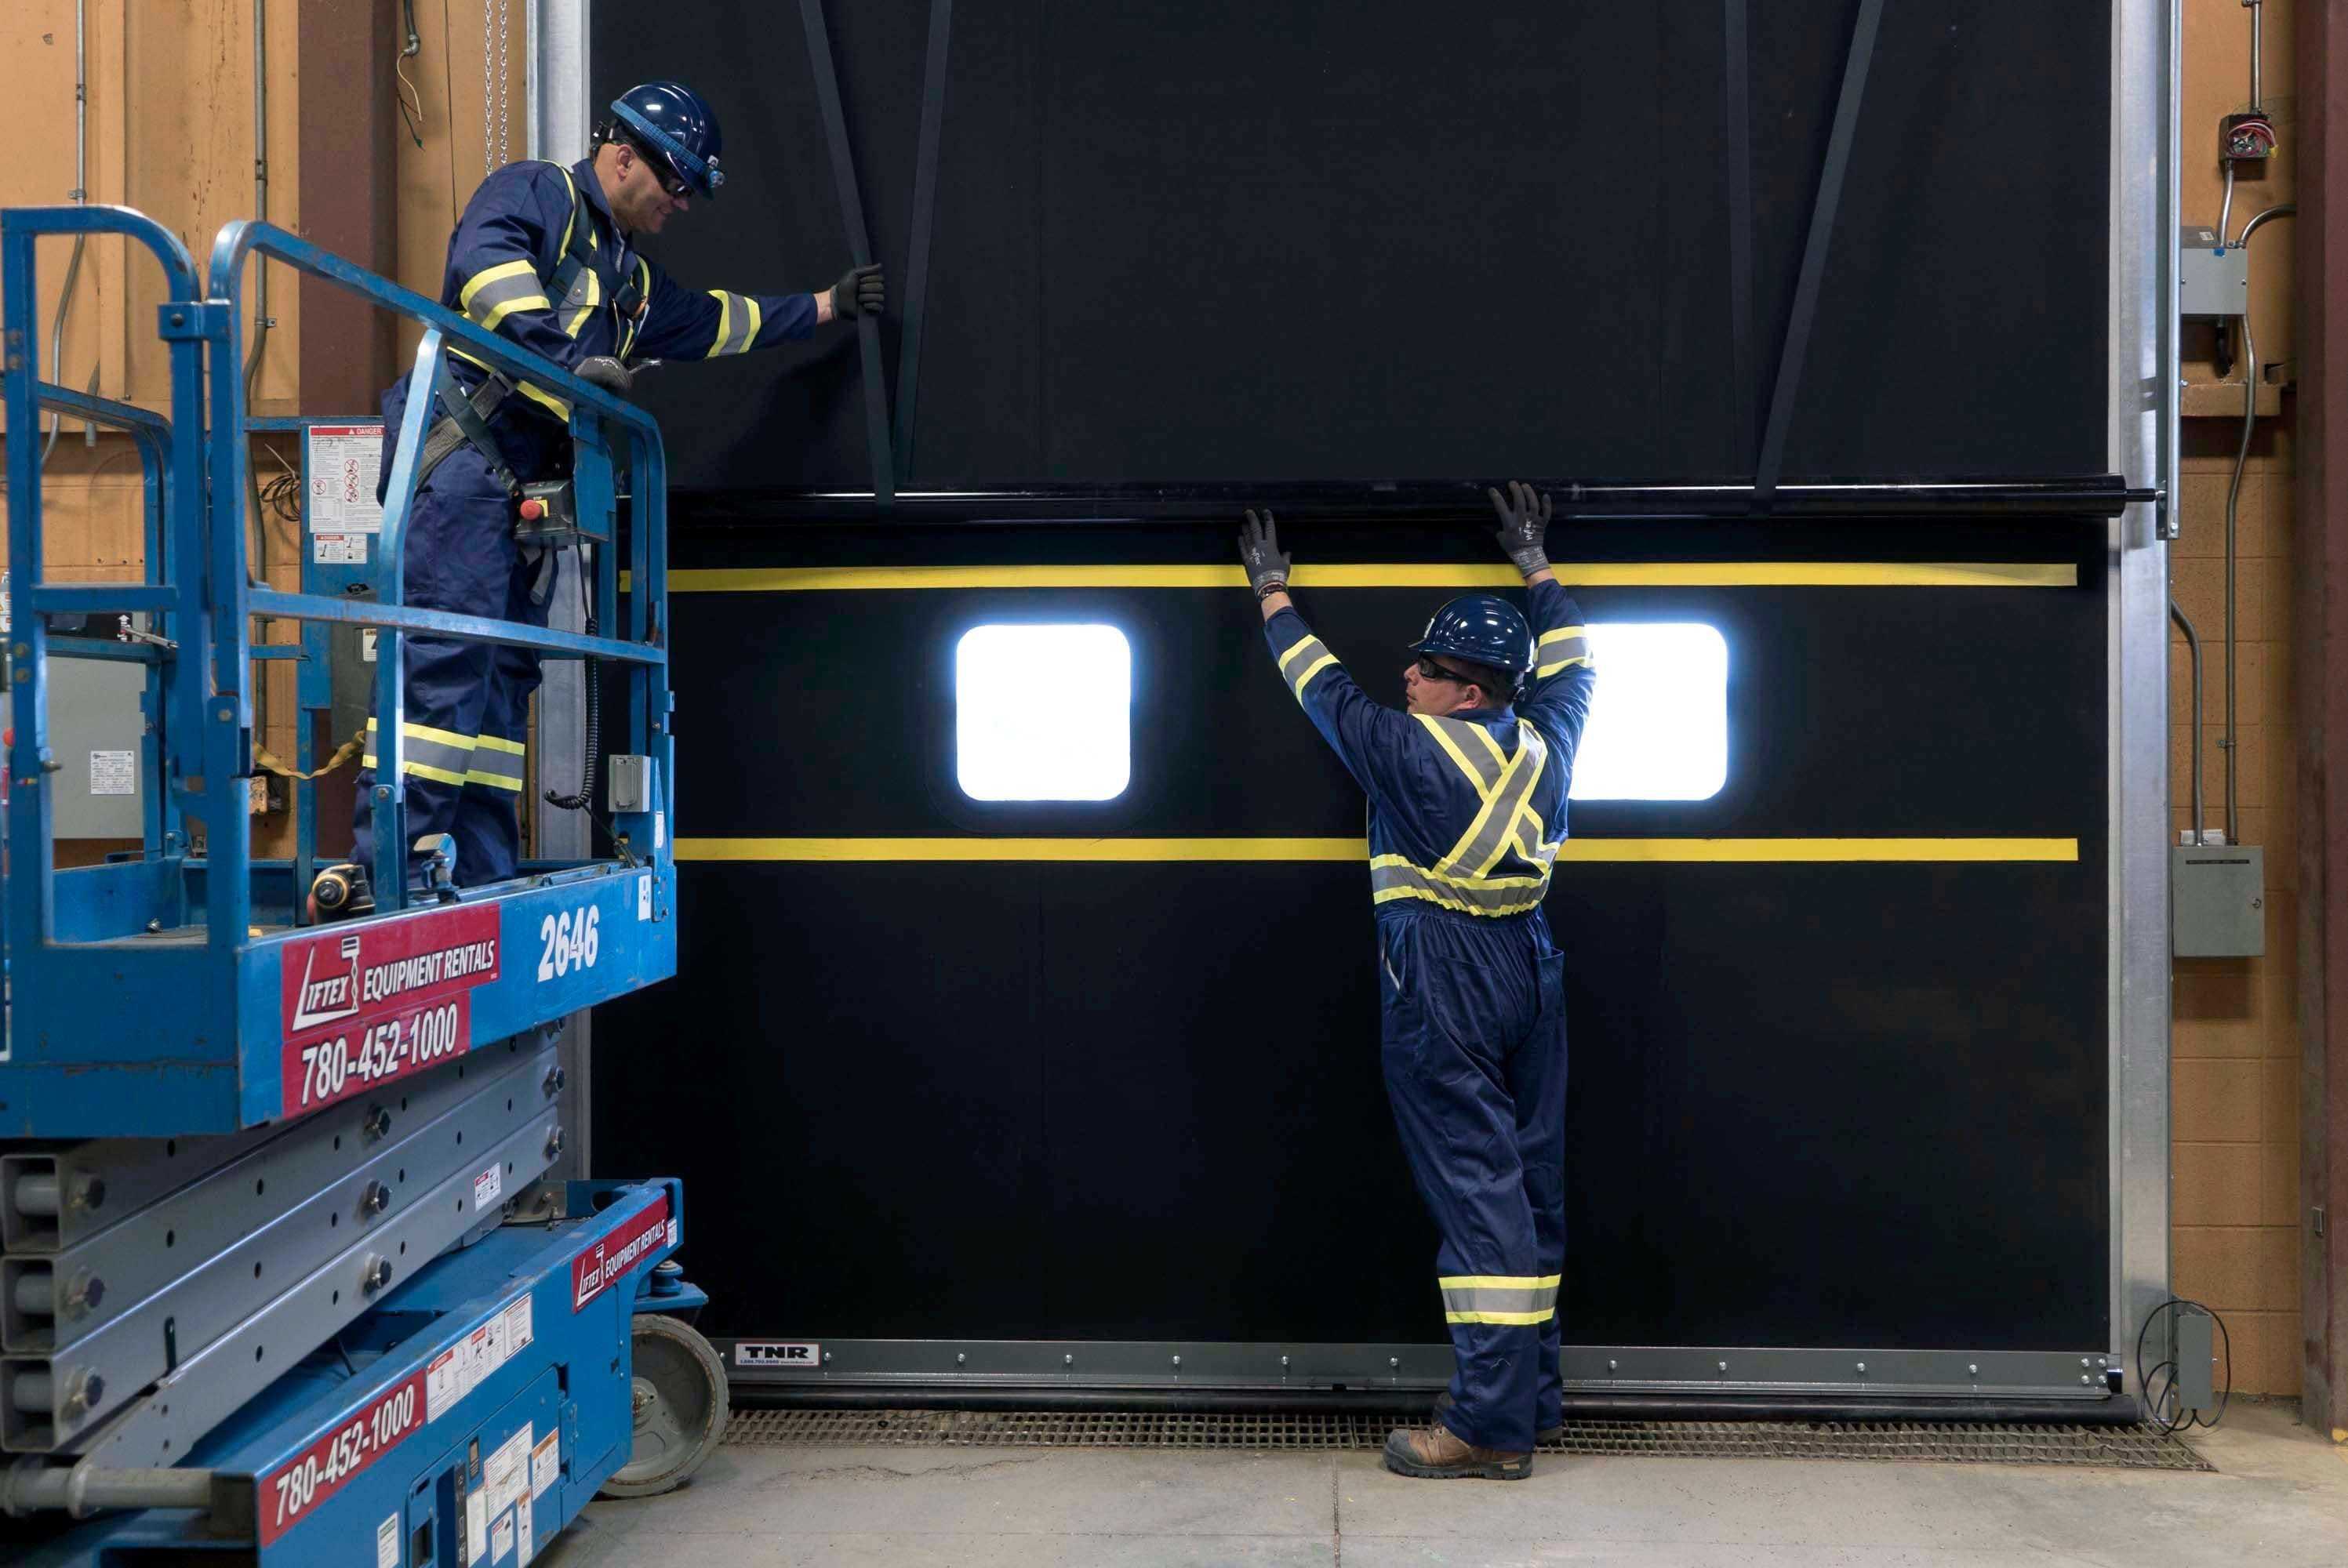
(511, 270)
(1466, 813)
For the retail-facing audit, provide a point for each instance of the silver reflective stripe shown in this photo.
(1302, 662)
(735, 324)
(1493, 1298)
(1470, 745)
(1392, 878)
(498, 770)
(491, 302)
(1496, 825)
(1566, 646)
(426, 753)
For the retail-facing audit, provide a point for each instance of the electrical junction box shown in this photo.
(2212, 279)
(97, 729)
(631, 783)
(2217, 901)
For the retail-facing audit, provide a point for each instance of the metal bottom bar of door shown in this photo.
(1687, 1382)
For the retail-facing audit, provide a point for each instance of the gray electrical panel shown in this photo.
(2212, 279)
(96, 731)
(2217, 901)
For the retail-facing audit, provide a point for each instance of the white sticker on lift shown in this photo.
(518, 1325)
(791, 1355)
(444, 1381)
(477, 1526)
(505, 1474)
(338, 549)
(386, 1543)
(344, 460)
(487, 1186)
(660, 829)
(546, 1463)
(524, 1546)
(501, 1536)
(114, 772)
(644, 896)
(367, 644)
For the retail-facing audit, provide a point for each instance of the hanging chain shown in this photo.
(489, 142)
(505, 82)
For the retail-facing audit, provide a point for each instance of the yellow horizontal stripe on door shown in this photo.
(1595, 850)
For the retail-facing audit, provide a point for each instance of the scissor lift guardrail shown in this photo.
(178, 992)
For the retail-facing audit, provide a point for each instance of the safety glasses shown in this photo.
(675, 184)
(1429, 670)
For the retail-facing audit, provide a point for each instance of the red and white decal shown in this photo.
(293, 1491)
(603, 1265)
(366, 1006)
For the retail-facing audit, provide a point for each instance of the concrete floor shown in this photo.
(2280, 1499)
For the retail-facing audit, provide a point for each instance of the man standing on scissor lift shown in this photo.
(545, 255)
(1466, 793)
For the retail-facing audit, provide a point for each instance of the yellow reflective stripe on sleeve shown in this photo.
(1573, 641)
(1513, 1320)
(737, 322)
(725, 322)
(1499, 1281)
(495, 292)
(499, 744)
(1310, 656)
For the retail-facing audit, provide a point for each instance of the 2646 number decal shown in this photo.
(571, 941)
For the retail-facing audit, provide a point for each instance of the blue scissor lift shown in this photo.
(280, 1279)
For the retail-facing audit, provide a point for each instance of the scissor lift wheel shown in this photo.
(680, 1407)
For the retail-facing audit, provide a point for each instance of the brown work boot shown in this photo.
(1438, 1453)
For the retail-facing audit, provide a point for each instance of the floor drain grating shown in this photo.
(2121, 1448)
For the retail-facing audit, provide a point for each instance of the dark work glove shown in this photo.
(862, 292)
(602, 369)
(1524, 526)
(1267, 568)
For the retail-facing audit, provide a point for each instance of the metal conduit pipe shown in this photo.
(2193, 647)
(80, 196)
(2233, 500)
(84, 1488)
(38, 1192)
(260, 322)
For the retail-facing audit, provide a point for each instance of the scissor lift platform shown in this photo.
(281, 1275)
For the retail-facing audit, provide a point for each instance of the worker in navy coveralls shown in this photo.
(1466, 793)
(546, 256)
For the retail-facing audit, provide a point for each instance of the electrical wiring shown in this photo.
(411, 113)
(2157, 1405)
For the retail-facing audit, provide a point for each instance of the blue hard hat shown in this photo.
(671, 120)
(1483, 628)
